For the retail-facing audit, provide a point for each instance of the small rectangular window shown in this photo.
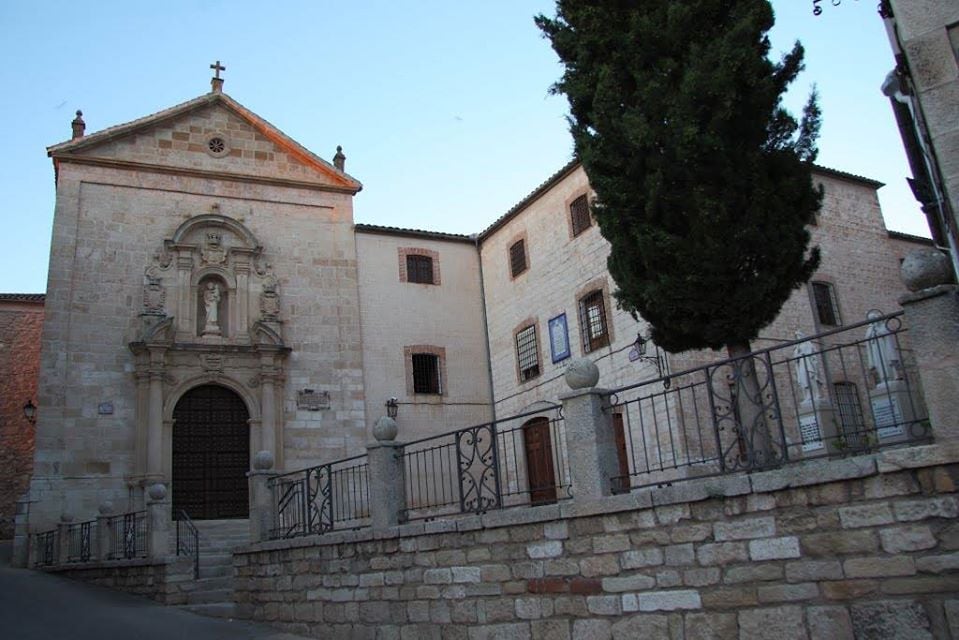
(824, 298)
(517, 258)
(527, 353)
(419, 269)
(579, 214)
(592, 320)
(850, 409)
(426, 373)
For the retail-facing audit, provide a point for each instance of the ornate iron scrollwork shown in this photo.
(478, 469)
(320, 498)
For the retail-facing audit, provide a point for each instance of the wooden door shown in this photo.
(539, 461)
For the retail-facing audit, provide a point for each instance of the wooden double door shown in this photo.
(211, 454)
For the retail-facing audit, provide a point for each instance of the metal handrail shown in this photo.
(188, 540)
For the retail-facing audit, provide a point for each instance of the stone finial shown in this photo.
(925, 268)
(339, 160)
(79, 126)
(66, 517)
(216, 82)
(105, 508)
(157, 491)
(263, 461)
(582, 374)
(385, 429)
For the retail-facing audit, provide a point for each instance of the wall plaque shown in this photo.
(311, 400)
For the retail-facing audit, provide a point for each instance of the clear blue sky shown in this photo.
(442, 107)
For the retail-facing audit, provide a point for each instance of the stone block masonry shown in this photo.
(860, 548)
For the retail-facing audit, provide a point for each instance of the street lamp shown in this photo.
(30, 412)
(639, 348)
(392, 406)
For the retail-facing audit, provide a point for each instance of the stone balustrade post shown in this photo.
(21, 533)
(590, 439)
(387, 475)
(63, 538)
(101, 547)
(261, 497)
(932, 320)
(158, 522)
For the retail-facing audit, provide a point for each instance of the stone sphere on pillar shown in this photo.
(263, 461)
(105, 508)
(157, 491)
(385, 429)
(925, 268)
(582, 374)
(66, 517)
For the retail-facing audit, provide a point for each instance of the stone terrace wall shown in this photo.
(167, 583)
(817, 550)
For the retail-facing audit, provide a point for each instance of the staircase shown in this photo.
(212, 593)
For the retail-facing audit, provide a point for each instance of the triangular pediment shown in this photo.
(211, 134)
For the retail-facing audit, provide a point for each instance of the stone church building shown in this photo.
(210, 297)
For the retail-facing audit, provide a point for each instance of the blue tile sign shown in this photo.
(559, 337)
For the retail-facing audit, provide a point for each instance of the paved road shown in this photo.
(41, 606)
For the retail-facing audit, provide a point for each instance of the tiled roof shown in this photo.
(908, 237)
(23, 297)
(568, 168)
(414, 233)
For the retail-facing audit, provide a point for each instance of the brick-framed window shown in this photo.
(425, 369)
(517, 258)
(594, 320)
(825, 304)
(579, 217)
(526, 338)
(419, 265)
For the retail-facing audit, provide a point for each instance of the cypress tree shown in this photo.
(702, 178)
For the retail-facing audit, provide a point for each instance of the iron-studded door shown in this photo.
(539, 461)
(211, 454)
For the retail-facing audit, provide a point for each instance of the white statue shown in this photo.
(211, 302)
(881, 353)
(807, 369)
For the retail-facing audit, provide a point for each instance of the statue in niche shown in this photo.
(211, 304)
(881, 353)
(807, 369)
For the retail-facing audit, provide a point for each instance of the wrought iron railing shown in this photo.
(514, 461)
(837, 393)
(46, 550)
(128, 536)
(188, 540)
(79, 541)
(329, 496)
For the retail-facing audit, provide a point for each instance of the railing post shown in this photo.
(262, 509)
(63, 539)
(932, 318)
(101, 551)
(387, 490)
(158, 522)
(21, 533)
(590, 439)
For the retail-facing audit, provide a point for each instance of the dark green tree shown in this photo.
(702, 177)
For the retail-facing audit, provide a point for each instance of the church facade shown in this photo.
(210, 297)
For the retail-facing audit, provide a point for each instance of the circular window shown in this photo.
(217, 146)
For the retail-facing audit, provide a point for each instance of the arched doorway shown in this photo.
(211, 454)
(539, 461)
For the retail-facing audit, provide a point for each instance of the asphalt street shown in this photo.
(40, 606)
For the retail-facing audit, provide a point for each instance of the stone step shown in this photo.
(212, 583)
(216, 571)
(212, 610)
(210, 596)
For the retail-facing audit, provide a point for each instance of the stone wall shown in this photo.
(167, 583)
(21, 318)
(816, 550)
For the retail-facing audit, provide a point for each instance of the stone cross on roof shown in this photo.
(216, 81)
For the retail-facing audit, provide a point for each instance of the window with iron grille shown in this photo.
(426, 373)
(419, 269)
(850, 409)
(592, 321)
(527, 353)
(517, 258)
(579, 213)
(824, 298)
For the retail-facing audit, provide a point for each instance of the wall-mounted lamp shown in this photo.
(639, 353)
(30, 412)
(392, 406)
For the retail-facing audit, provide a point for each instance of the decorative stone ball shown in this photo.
(157, 491)
(582, 374)
(263, 461)
(925, 268)
(66, 517)
(385, 429)
(105, 508)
